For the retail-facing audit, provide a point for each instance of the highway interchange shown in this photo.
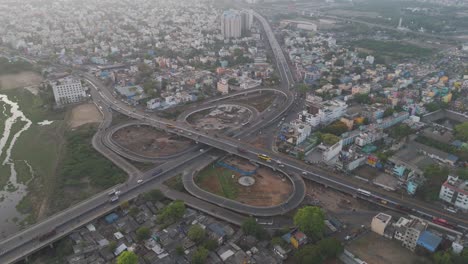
(24, 243)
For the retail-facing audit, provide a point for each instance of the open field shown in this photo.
(374, 248)
(23, 79)
(84, 114)
(150, 142)
(269, 188)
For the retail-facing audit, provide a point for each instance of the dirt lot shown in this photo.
(84, 114)
(330, 199)
(11, 81)
(376, 249)
(150, 142)
(220, 118)
(269, 188)
(260, 101)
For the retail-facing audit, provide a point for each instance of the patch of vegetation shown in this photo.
(392, 49)
(12, 67)
(435, 175)
(336, 128)
(172, 213)
(325, 249)
(400, 131)
(23, 174)
(328, 139)
(229, 187)
(175, 183)
(462, 154)
(84, 169)
(251, 227)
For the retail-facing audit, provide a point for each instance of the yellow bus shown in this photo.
(264, 157)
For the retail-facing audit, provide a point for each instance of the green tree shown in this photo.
(442, 258)
(210, 244)
(400, 131)
(153, 195)
(303, 88)
(124, 205)
(173, 212)
(461, 131)
(362, 98)
(388, 112)
(435, 175)
(310, 220)
(251, 227)
(196, 233)
(336, 128)
(308, 254)
(278, 241)
(112, 246)
(329, 139)
(143, 233)
(330, 247)
(339, 63)
(127, 257)
(200, 255)
(134, 211)
(179, 250)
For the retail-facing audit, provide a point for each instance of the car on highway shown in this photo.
(157, 172)
(139, 181)
(114, 199)
(201, 150)
(304, 173)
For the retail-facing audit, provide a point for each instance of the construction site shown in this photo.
(150, 142)
(246, 182)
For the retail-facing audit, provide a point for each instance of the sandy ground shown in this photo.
(150, 142)
(84, 114)
(376, 249)
(11, 81)
(270, 188)
(219, 118)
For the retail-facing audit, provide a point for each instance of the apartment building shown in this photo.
(455, 191)
(414, 228)
(68, 91)
(318, 113)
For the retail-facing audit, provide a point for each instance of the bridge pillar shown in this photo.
(51, 245)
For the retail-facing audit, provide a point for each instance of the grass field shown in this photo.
(392, 49)
(219, 181)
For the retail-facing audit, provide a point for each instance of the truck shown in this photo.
(170, 126)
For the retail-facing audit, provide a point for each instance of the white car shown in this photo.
(304, 173)
(139, 181)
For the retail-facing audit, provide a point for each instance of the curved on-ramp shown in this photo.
(119, 149)
(293, 201)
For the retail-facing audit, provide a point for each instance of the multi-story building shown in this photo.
(380, 222)
(318, 113)
(455, 191)
(223, 86)
(247, 20)
(68, 91)
(411, 230)
(231, 24)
